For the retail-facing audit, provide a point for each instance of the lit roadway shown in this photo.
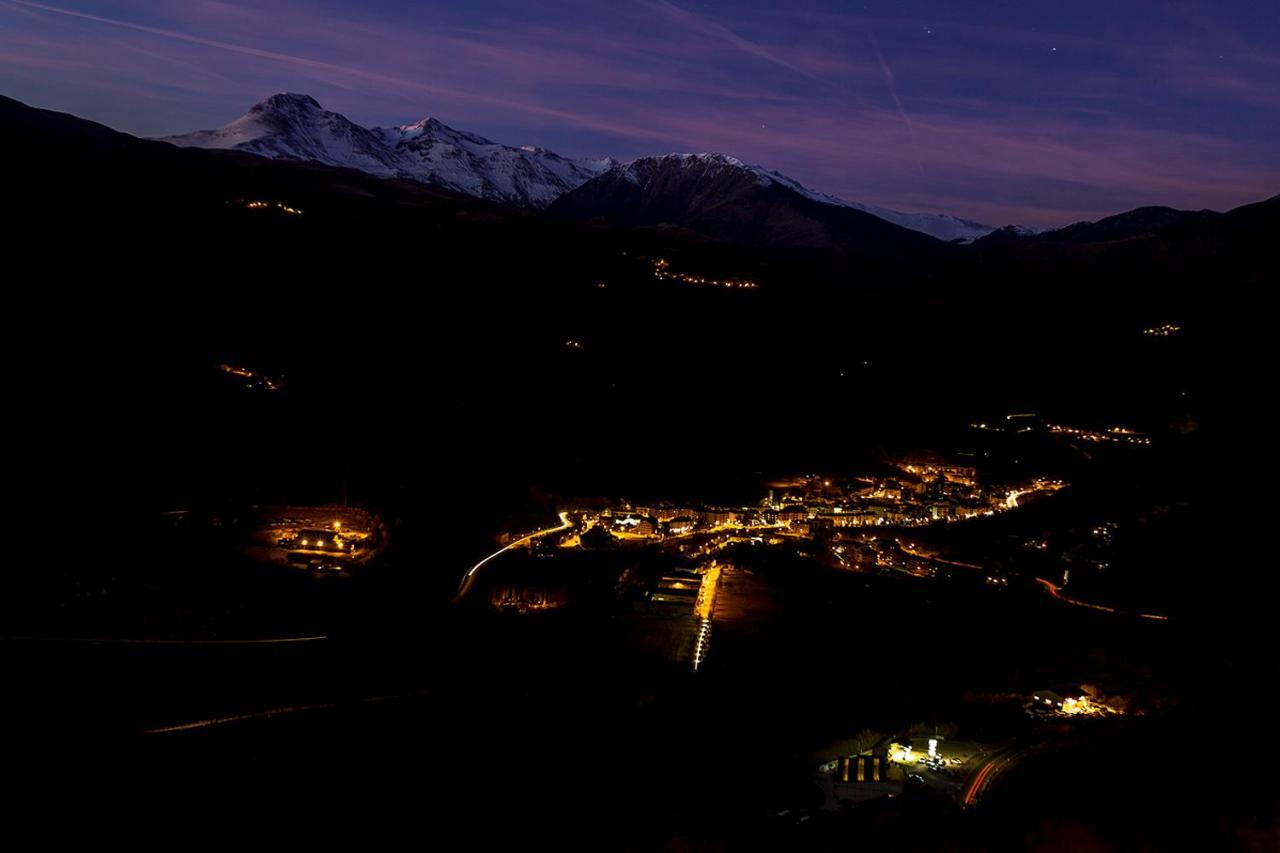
(465, 586)
(278, 712)
(127, 641)
(978, 782)
(908, 548)
(467, 580)
(1055, 591)
(982, 778)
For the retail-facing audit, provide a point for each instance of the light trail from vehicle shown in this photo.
(220, 721)
(465, 586)
(975, 787)
(275, 712)
(1055, 591)
(995, 765)
(911, 550)
(132, 641)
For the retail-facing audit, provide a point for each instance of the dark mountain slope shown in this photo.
(1140, 222)
(721, 198)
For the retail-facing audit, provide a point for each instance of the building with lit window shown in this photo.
(318, 540)
(1047, 700)
(858, 778)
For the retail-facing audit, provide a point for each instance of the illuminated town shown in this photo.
(849, 524)
(679, 569)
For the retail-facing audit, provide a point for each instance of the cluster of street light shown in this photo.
(1116, 435)
(251, 378)
(278, 205)
(662, 271)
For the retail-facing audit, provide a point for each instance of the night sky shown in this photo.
(1034, 112)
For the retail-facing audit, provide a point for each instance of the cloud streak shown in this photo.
(712, 29)
(893, 93)
(315, 64)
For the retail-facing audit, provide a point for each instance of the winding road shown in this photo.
(1056, 592)
(982, 778)
(465, 586)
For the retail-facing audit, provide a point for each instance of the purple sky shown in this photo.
(1034, 112)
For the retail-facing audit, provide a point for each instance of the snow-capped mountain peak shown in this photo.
(291, 126)
(426, 125)
(296, 127)
(942, 226)
(287, 100)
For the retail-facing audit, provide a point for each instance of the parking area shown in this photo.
(936, 762)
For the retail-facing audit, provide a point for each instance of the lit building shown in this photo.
(1047, 700)
(318, 540)
(636, 525)
(677, 590)
(792, 515)
(716, 516)
(863, 768)
(678, 525)
(858, 778)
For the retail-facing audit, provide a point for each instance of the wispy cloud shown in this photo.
(893, 93)
(717, 31)
(319, 65)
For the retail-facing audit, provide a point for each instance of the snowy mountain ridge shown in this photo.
(292, 126)
(940, 225)
(289, 126)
